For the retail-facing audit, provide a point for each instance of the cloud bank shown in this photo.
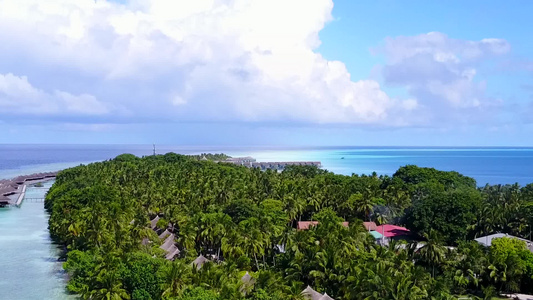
(187, 61)
(216, 60)
(19, 97)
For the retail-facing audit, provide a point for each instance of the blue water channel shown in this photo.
(28, 257)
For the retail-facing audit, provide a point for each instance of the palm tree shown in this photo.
(433, 252)
(108, 287)
(364, 204)
(177, 277)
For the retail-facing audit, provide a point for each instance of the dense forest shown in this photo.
(243, 221)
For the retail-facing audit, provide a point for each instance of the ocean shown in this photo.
(29, 258)
(486, 165)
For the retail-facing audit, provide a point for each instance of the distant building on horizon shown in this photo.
(251, 162)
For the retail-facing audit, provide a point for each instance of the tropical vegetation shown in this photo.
(244, 219)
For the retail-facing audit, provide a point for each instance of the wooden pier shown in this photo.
(34, 200)
(21, 196)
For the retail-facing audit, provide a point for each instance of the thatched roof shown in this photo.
(153, 222)
(247, 282)
(247, 279)
(4, 199)
(173, 251)
(7, 190)
(169, 241)
(145, 241)
(165, 234)
(19, 180)
(311, 294)
(326, 297)
(199, 261)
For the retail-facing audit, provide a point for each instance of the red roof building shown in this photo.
(391, 231)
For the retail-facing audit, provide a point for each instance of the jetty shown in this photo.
(251, 162)
(13, 191)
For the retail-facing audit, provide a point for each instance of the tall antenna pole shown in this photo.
(154, 149)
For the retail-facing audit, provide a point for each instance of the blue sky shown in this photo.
(282, 73)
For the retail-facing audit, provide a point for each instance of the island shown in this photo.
(201, 227)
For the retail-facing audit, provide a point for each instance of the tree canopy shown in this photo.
(244, 220)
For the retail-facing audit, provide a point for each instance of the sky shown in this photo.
(267, 72)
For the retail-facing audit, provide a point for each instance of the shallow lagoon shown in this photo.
(28, 260)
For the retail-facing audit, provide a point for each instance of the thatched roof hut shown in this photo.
(326, 297)
(153, 222)
(173, 251)
(247, 279)
(247, 283)
(311, 294)
(199, 261)
(4, 200)
(19, 180)
(168, 243)
(6, 191)
(165, 234)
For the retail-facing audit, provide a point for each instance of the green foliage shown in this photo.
(140, 275)
(199, 293)
(449, 213)
(507, 263)
(245, 219)
(126, 158)
(412, 175)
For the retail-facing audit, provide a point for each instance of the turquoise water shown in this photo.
(28, 258)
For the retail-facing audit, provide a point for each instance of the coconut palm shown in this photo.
(433, 252)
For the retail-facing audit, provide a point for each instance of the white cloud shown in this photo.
(195, 60)
(18, 96)
(440, 73)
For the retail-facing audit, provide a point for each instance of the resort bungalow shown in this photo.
(7, 191)
(243, 161)
(311, 294)
(387, 232)
(4, 201)
(487, 240)
(170, 247)
(247, 283)
(304, 225)
(199, 262)
(153, 222)
(165, 234)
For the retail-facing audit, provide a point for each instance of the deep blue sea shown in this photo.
(486, 165)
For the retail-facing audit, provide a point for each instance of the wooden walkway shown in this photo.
(21, 196)
(35, 200)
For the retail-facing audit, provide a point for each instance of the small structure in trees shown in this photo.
(199, 262)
